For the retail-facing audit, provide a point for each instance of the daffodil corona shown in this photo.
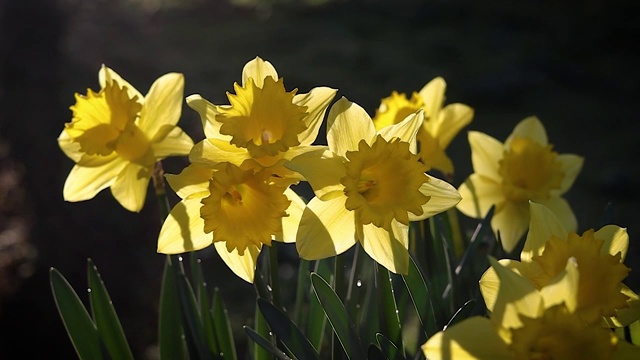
(368, 186)
(116, 136)
(508, 175)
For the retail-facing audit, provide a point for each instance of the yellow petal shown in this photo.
(162, 106)
(183, 229)
(405, 130)
(530, 128)
(443, 196)
(72, 150)
(317, 101)
(490, 282)
(563, 288)
(348, 123)
(432, 95)
(176, 143)
(322, 170)
(388, 249)
(511, 221)
(561, 208)
(473, 338)
(258, 69)
(106, 74)
(616, 240)
(626, 351)
(207, 112)
(326, 229)
(452, 119)
(84, 183)
(542, 226)
(629, 315)
(478, 194)
(130, 187)
(242, 265)
(192, 182)
(486, 152)
(571, 166)
(291, 222)
(211, 152)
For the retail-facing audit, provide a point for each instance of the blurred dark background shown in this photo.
(572, 63)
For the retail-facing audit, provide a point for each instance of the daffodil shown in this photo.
(263, 123)
(508, 175)
(530, 323)
(368, 186)
(238, 210)
(440, 126)
(599, 254)
(117, 135)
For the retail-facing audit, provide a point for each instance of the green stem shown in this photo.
(273, 272)
(163, 205)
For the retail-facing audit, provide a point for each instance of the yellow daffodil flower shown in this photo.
(440, 126)
(528, 323)
(236, 209)
(116, 136)
(368, 186)
(263, 123)
(509, 175)
(599, 255)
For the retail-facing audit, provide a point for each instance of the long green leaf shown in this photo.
(262, 329)
(338, 318)
(390, 314)
(374, 353)
(80, 328)
(207, 319)
(389, 348)
(170, 342)
(105, 316)
(265, 344)
(483, 227)
(421, 298)
(317, 320)
(462, 313)
(192, 321)
(287, 332)
(223, 328)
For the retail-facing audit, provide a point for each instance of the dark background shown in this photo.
(572, 63)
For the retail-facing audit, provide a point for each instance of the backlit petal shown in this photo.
(516, 296)
(387, 249)
(291, 222)
(258, 69)
(616, 240)
(453, 118)
(561, 208)
(405, 130)
(530, 128)
(84, 183)
(490, 282)
(207, 112)
(486, 152)
(432, 95)
(130, 187)
(176, 143)
(162, 106)
(106, 74)
(563, 289)
(183, 229)
(242, 265)
(626, 316)
(348, 123)
(211, 152)
(511, 221)
(322, 170)
(317, 101)
(443, 196)
(543, 225)
(571, 165)
(478, 194)
(192, 182)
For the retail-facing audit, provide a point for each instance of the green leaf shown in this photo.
(302, 288)
(388, 348)
(483, 227)
(80, 328)
(223, 328)
(374, 353)
(338, 318)
(390, 314)
(170, 342)
(462, 313)
(421, 299)
(317, 320)
(262, 329)
(105, 316)
(192, 322)
(207, 319)
(265, 344)
(287, 332)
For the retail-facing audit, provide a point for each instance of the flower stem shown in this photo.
(273, 272)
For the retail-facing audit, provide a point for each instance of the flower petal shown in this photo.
(130, 187)
(561, 208)
(530, 128)
(183, 229)
(511, 221)
(291, 222)
(242, 265)
(208, 113)
(192, 182)
(473, 338)
(162, 106)
(106, 74)
(443, 196)
(326, 229)
(626, 351)
(347, 124)
(176, 143)
(571, 165)
(84, 183)
(317, 101)
(258, 69)
(211, 152)
(388, 249)
(479, 194)
(563, 288)
(72, 150)
(628, 315)
(432, 95)
(405, 130)
(322, 170)
(452, 119)
(616, 240)
(542, 226)
(490, 282)
(486, 153)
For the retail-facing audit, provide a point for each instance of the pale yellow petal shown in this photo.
(176, 143)
(511, 221)
(211, 152)
(162, 106)
(443, 196)
(486, 153)
(563, 288)
(388, 249)
(561, 208)
(130, 187)
(258, 69)
(530, 128)
(479, 194)
(616, 240)
(106, 75)
(208, 113)
(490, 282)
(433, 96)
(542, 226)
(242, 265)
(405, 130)
(326, 229)
(72, 150)
(571, 166)
(322, 169)
(291, 222)
(183, 229)
(84, 183)
(348, 123)
(470, 339)
(453, 118)
(317, 101)
(629, 315)
(192, 182)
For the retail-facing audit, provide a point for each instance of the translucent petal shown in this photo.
(322, 170)
(192, 182)
(258, 69)
(84, 183)
(211, 152)
(388, 250)
(511, 220)
(130, 187)
(291, 222)
(486, 152)
(72, 150)
(208, 113)
(531, 128)
(453, 118)
(561, 208)
(106, 74)
(348, 123)
(432, 95)
(162, 105)
(317, 101)
(478, 194)
(628, 315)
(563, 288)
(490, 283)
(542, 226)
(242, 265)
(571, 165)
(616, 240)
(326, 229)
(183, 229)
(443, 196)
(176, 143)
(405, 130)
